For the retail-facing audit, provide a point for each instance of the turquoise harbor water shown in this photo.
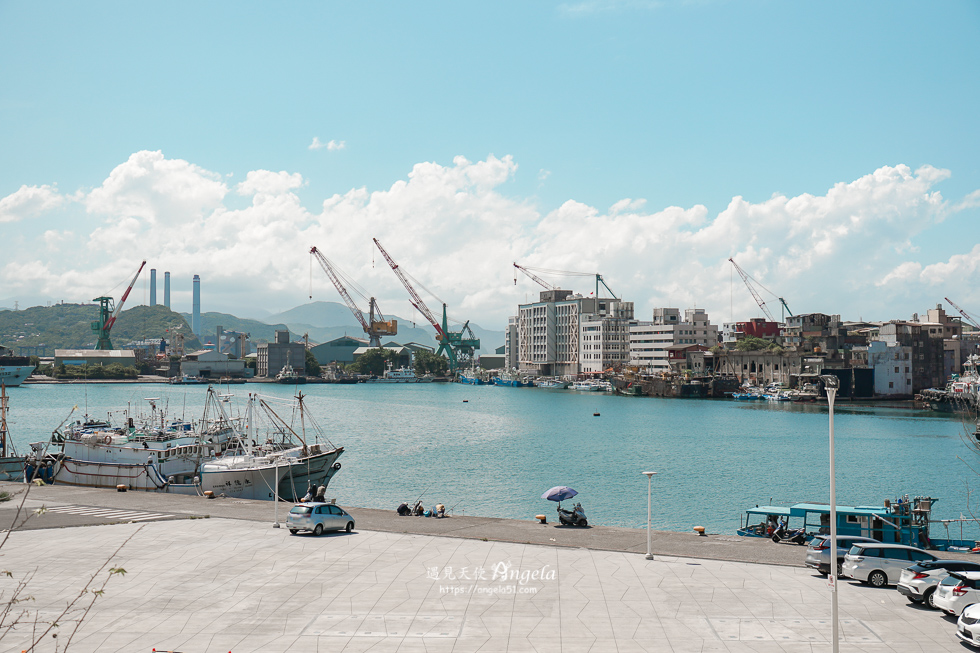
(492, 451)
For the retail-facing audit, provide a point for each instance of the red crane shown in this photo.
(106, 320)
(414, 298)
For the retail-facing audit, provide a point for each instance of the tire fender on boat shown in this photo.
(107, 439)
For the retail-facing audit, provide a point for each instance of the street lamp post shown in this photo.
(649, 476)
(831, 383)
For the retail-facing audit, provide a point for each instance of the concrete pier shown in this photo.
(232, 582)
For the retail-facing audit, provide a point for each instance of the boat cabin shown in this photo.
(900, 522)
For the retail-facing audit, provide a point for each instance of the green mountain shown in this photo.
(68, 326)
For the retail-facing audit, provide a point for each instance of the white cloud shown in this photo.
(29, 202)
(330, 145)
(848, 250)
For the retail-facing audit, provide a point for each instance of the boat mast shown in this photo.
(3, 419)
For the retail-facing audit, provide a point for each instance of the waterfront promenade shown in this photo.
(231, 582)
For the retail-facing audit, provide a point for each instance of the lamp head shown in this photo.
(830, 381)
(649, 474)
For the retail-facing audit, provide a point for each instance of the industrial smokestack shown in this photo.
(196, 313)
(166, 289)
(153, 287)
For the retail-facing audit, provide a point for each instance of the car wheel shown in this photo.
(930, 598)
(775, 538)
(877, 579)
(318, 529)
(293, 531)
(912, 600)
(840, 569)
(349, 527)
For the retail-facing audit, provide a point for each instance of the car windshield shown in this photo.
(301, 510)
(950, 580)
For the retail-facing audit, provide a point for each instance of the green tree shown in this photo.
(426, 362)
(751, 343)
(312, 367)
(373, 361)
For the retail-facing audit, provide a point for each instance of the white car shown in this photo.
(818, 552)
(957, 591)
(881, 564)
(919, 582)
(967, 628)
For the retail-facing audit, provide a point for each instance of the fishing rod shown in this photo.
(423, 494)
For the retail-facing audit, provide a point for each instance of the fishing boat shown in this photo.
(511, 380)
(289, 375)
(282, 467)
(555, 384)
(631, 389)
(471, 378)
(11, 465)
(902, 521)
(13, 369)
(401, 375)
(145, 453)
(585, 386)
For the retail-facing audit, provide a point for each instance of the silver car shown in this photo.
(919, 582)
(818, 552)
(317, 517)
(881, 564)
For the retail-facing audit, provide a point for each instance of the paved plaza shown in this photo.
(199, 585)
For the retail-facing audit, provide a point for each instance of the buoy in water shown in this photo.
(466, 401)
(595, 414)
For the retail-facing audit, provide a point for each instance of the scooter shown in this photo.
(574, 517)
(796, 536)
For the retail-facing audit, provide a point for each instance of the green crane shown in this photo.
(458, 346)
(108, 314)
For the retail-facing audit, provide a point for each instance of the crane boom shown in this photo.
(122, 300)
(414, 298)
(338, 284)
(755, 294)
(373, 328)
(966, 315)
(541, 282)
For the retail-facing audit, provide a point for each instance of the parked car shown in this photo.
(881, 564)
(919, 582)
(957, 591)
(818, 553)
(317, 517)
(967, 628)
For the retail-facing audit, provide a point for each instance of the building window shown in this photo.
(891, 384)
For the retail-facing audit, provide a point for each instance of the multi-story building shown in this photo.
(549, 331)
(926, 357)
(511, 361)
(892, 365)
(605, 339)
(271, 357)
(649, 340)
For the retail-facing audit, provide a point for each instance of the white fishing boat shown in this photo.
(585, 386)
(11, 465)
(277, 468)
(147, 453)
(401, 375)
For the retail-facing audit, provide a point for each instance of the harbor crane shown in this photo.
(373, 328)
(755, 294)
(966, 316)
(457, 345)
(563, 273)
(108, 313)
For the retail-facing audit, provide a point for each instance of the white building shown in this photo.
(605, 339)
(648, 341)
(893, 367)
(549, 332)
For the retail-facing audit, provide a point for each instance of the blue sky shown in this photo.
(583, 105)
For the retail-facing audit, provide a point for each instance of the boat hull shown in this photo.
(260, 481)
(13, 375)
